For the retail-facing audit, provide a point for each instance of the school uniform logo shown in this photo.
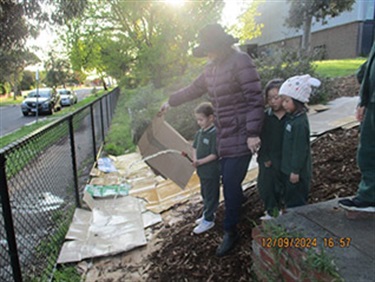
(206, 141)
(288, 127)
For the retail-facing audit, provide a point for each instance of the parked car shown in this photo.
(68, 97)
(44, 100)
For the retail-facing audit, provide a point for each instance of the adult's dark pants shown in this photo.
(366, 156)
(233, 173)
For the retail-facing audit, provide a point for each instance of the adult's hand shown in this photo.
(163, 109)
(253, 143)
(359, 114)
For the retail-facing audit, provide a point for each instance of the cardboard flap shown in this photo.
(164, 145)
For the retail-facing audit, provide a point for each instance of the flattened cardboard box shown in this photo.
(160, 136)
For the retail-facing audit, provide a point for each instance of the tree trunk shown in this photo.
(306, 36)
(104, 84)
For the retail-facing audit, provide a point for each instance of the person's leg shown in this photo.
(366, 156)
(296, 194)
(365, 198)
(207, 221)
(211, 195)
(268, 189)
(279, 189)
(233, 173)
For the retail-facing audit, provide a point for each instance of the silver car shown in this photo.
(68, 97)
(43, 101)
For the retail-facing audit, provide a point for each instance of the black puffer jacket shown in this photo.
(234, 89)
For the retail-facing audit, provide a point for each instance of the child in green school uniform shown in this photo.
(296, 153)
(270, 183)
(205, 159)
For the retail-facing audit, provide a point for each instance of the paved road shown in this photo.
(11, 117)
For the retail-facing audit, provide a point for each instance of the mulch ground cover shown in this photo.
(184, 256)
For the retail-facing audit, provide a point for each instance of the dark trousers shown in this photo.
(271, 188)
(296, 194)
(210, 191)
(233, 172)
(366, 156)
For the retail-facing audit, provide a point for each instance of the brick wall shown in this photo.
(283, 264)
(338, 43)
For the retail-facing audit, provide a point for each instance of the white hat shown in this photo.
(299, 87)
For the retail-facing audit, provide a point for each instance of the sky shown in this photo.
(232, 10)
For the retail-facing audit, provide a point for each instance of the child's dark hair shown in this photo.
(300, 107)
(274, 83)
(204, 108)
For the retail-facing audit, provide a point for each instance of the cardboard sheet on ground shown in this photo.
(112, 226)
(340, 114)
(161, 137)
(160, 194)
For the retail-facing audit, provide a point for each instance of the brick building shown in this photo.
(348, 35)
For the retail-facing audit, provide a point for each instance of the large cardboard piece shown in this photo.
(164, 146)
(113, 225)
(339, 114)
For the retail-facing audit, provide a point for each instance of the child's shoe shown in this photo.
(199, 220)
(203, 226)
(266, 216)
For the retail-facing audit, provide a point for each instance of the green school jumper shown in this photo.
(270, 181)
(209, 173)
(296, 158)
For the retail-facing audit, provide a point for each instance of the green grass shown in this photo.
(6, 100)
(338, 68)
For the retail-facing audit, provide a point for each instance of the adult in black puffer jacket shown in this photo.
(233, 86)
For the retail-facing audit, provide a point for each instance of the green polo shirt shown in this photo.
(296, 153)
(205, 144)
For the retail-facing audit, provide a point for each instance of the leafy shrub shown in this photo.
(119, 138)
(286, 63)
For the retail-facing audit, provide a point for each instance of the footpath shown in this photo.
(347, 237)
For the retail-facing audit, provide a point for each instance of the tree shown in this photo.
(12, 63)
(302, 13)
(247, 28)
(15, 28)
(58, 71)
(28, 80)
(146, 40)
(22, 19)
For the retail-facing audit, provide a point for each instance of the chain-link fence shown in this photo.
(40, 188)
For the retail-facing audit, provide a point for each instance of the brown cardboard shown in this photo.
(160, 137)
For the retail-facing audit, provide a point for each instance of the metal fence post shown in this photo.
(102, 119)
(108, 110)
(74, 161)
(93, 130)
(8, 220)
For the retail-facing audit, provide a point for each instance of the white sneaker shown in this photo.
(266, 216)
(199, 220)
(203, 226)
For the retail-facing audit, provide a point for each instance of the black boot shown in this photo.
(229, 241)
